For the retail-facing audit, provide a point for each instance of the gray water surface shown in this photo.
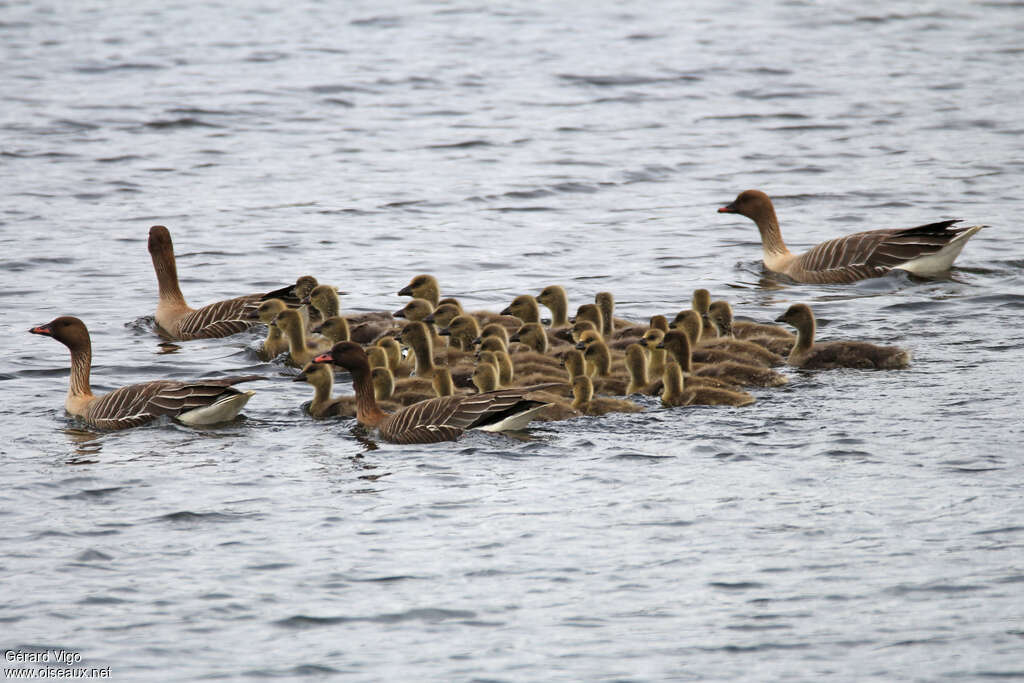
(852, 525)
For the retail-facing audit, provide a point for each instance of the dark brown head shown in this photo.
(68, 330)
(799, 316)
(348, 355)
(753, 204)
(160, 240)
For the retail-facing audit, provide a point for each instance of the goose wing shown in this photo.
(444, 419)
(137, 404)
(220, 319)
(875, 252)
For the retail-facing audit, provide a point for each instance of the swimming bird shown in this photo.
(423, 287)
(197, 402)
(177, 321)
(636, 365)
(523, 307)
(275, 343)
(923, 250)
(675, 393)
(301, 348)
(771, 337)
(462, 330)
(335, 329)
(836, 354)
(321, 377)
(585, 401)
(556, 301)
(716, 349)
(677, 343)
(436, 419)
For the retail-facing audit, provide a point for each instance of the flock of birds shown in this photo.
(432, 370)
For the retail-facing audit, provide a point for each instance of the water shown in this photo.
(852, 525)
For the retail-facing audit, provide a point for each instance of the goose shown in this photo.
(535, 338)
(677, 343)
(581, 327)
(322, 406)
(177, 321)
(717, 349)
(556, 301)
(423, 287)
(462, 330)
(392, 393)
(659, 322)
(771, 337)
(656, 356)
(416, 336)
(837, 354)
(485, 378)
(436, 419)
(335, 329)
(923, 250)
(324, 300)
(198, 402)
(301, 348)
(612, 326)
(377, 357)
(636, 364)
(591, 313)
(597, 361)
(443, 383)
(585, 402)
(674, 393)
(275, 344)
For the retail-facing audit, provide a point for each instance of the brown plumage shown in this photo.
(321, 377)
(636, 365)
(770, 337)
(462, 330)
(525, 308)
(656, 355)
(585, 402)
(443, 315)
(176, 320)
(837, 354)
(922, 250)
(199, 402)
(700, 302)
(659, 322)
(437, 419)
(275, 343)
(721, 348)
(677, 344)
(675, 393)
(335, 329)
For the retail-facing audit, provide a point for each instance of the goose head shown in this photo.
(289, 321)
(592, 313)
(605, 302)
(581, 327)
(304, 285)
(324, 298)
(444, 314)
(268, 310)
(492, 344)
(415, 310)
(525, 308)
(557, 301)
(689, 322)
(317, 374)
(652, 338)
(533, 335)
(801, 317)
(588, 338)
(753, 204)
(423, 287)
(335, 328)
(677, 344)
(463, 329)
(383, 383)
(392, 349)
(68, 330)
(720, 315)
(659, 322)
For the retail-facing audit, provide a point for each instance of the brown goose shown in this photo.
(301, 348)
(677, 343)
(502, 363)
(436, 419)
(837, 354)
(674, 393)
(923, 250)
(200, 402)
(771, 337)
(585, 402)
(177, 321)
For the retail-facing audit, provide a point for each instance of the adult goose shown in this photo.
(837, 354)
(178, 321)
(436, 419)
(199, 402)
(922, 250)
